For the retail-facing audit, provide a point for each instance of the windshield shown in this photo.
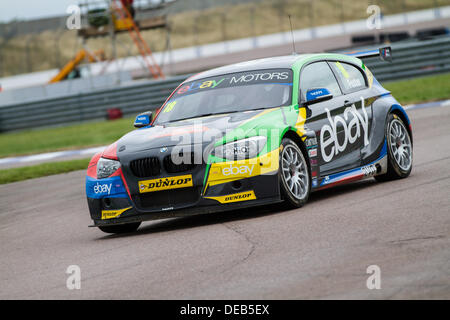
(228, 93)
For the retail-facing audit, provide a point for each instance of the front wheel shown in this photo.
(399, 150)
(295, 179)
(121, 228)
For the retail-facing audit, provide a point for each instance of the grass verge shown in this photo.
(76, 136)
(41, 170)
(430, 88)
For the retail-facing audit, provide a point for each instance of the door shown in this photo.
(358, 105)
(336, 150)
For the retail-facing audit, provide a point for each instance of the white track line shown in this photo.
(50, 156)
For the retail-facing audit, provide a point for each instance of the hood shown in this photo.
(202, 130)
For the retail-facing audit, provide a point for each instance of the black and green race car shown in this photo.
(249, 134)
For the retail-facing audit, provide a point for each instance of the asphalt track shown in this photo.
(319, 251)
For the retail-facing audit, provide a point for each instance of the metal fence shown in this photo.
(409, 59)
(412, 59)
(132, 99)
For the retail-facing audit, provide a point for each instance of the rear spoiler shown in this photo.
(384, 53)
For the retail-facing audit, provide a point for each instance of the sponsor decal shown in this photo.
(312, 152)
(233, 171)
(236, 197)
(317, 92)
(142, 118)
(310, 142)
(266, 76)
(165, 183)
(109, 187)
(314, 94)
(313, 162)
(163, 149)
(200, 85)
(358, 122)
(103, 189)
(238, 170)
(314, 182)
(281, 76)
(369, 170)
(354, 83)
(110, 214)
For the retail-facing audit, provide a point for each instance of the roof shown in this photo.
(281, 62)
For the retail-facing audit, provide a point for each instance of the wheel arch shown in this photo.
(401, 113)
(293, 135)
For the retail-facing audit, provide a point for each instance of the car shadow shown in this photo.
(181, 223)
(341, 189)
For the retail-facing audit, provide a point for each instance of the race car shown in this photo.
(249, 134)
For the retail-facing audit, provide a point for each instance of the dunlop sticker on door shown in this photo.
(165, 183)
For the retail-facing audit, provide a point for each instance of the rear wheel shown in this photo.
(121, 228)
(399, 150)
(295, 180)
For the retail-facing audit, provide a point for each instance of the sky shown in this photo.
(31, 9)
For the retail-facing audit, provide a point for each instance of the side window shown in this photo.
(350, 76)
(318, 75)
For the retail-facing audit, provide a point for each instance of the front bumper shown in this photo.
(215, 187)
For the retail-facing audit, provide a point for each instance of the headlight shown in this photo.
(241, 149)
(106, 167)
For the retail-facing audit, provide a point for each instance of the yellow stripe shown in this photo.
(369, 77)
(264, 164)
(344, 72)
(236, 197)
(110, 214)
(300, 124)
(258, 115)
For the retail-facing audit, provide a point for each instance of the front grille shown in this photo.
(146, 167)
(168, 198)
(172, 166)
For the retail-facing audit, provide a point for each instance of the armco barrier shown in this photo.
(410, 59)
(143, 96)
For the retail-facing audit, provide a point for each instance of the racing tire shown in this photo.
(294, 174)
(400, 150)
(121, 228)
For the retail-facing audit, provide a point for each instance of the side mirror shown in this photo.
(143, 119)
(317, 95)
